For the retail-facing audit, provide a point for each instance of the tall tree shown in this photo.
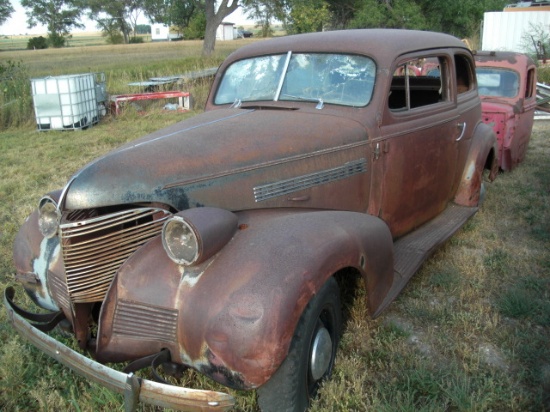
(213, 19)
(459, 18)
(263, 13)
(342, 12)
(173, 12)
(308, 16)
(397, 14)
(6, 10)
(123, 13)
(59, 16)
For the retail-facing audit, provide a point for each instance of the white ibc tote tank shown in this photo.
(66, 102)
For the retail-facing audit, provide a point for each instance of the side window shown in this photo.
(417, 83)
(464, 74)
(530, 86)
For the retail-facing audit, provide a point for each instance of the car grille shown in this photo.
(94, 247)
(141, 321)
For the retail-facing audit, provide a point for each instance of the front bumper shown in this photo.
(134, 389)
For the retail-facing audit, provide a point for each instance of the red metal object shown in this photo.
(118, 100)
(507, 86)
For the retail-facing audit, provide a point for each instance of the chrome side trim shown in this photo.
(297, 183)
(154, 393)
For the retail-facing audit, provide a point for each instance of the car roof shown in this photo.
(486, 58)
(374, 42)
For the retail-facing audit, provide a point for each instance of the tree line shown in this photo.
(200, 18)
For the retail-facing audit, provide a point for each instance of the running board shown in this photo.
(412, 250)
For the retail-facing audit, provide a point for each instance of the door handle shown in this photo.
(463, 127)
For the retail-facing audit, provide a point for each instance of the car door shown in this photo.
(415, 156)
(469, 109)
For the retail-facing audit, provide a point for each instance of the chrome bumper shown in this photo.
(134, 389)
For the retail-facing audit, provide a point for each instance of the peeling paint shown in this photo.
(49, 252)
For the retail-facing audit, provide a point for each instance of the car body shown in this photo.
(215, 243)
(244, 34)
(507, 84)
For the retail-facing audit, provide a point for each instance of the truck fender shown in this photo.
(482, 155)
(233, 316)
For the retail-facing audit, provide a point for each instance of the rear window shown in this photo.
(497, 82)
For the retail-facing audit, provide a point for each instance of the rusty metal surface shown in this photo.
(481, 156)
(216, 159)
(154, 393)
(235, 337)
(511, 117)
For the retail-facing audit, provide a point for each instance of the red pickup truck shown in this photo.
(507, 86)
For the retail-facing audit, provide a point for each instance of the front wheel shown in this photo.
(311, 355)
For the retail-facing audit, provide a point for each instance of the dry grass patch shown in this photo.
(469, 333)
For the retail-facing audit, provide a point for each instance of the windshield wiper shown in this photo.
(319, 101)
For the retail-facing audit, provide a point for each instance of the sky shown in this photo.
(17, 24)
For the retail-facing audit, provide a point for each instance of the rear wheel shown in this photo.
(311, 355)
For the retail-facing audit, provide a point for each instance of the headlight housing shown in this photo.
(194, 235)
(180, 241)
(49, 217)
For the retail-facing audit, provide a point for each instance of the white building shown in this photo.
(506, 31)
(225, 31)
(161, 32)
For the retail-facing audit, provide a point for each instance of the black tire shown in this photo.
(295, 383)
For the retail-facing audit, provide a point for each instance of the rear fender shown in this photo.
(482, 155)
(233, 316)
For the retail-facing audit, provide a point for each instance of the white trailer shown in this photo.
(160, 32)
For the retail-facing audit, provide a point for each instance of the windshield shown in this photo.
(497, 82)
(328, 78)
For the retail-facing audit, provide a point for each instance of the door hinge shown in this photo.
(377, 151)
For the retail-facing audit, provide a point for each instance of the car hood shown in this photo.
(195, 162)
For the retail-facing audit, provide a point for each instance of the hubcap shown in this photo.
(321, 353)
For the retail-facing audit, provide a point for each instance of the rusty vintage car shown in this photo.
(216, 243)
(507, 83)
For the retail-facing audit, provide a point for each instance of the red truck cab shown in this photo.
(507, 87)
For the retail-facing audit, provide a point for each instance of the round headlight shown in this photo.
(180, 241)
(49, 217)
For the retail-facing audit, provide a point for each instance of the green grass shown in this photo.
(469, 333)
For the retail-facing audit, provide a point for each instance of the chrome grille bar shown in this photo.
(95, 248)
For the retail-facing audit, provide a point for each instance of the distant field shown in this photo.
(77, 59)
(19, 42)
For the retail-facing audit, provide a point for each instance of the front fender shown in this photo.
(34, 256)
(482, 155)
(233, 316)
